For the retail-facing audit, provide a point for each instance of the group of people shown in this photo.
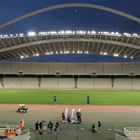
(8, 133)
(94, 129)
(69, 119)
(43, 126)
(13, 132)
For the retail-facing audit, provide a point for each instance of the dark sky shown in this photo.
(68, 18)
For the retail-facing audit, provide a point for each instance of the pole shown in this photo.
(88, 100)
(54, 99)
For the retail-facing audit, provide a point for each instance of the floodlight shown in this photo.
(21, 56)
(127, 34)
(115, 54)
(37, 54)
(31, 33)
(93, 32)
(105, 53)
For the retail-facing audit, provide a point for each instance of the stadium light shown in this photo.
(11, 35)
(31, 33)
(127, 34)
(52, 33)
(115, 54)
(21, 56)
(37, 54)
(125, 56)
(61, 32)
(21, 35)
(68, 32)
(101, 53)
(86, 52)
(47, 53)
(5, 35)
(134, 34)
(105, 53)
(81, 32)
(93, 32)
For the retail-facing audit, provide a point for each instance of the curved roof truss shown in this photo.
(57, 44)
(93, 40)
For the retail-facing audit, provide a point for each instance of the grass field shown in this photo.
(100, 97)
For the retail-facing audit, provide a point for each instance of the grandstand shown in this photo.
(119, 75)
(70, 75)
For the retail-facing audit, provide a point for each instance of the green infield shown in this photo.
(98, 97)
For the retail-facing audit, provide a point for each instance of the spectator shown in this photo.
(79, 115)
(69, 118)
(6, 133)
(56, 126)
(21, 126)
(41, 125)
(37, 125)
(44, 126)
(63, 116)
(99, 126)
(50, 125)
(93, 128)
(14, 133)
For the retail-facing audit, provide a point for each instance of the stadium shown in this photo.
(96, 73)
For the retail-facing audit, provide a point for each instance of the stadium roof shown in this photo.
(110, 42)
(70, 42)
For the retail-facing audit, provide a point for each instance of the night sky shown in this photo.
(69, 18)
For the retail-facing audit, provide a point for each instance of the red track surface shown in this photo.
(84, 108)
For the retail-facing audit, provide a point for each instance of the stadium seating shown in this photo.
(70, 68)
(90, 82)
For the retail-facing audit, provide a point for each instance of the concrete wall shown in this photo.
(103, 83)
(12, 82)
(29, 82)
(69, 83)
(85, 83)
(123, 83)
(70, 68)
(57, 83)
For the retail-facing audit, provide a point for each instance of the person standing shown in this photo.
(79, 117)
(50, 125)
(56, 126)
(93, 128)
(41, 125)
(99, 126)
(63, 116)
(37, 125)
(21, 125)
